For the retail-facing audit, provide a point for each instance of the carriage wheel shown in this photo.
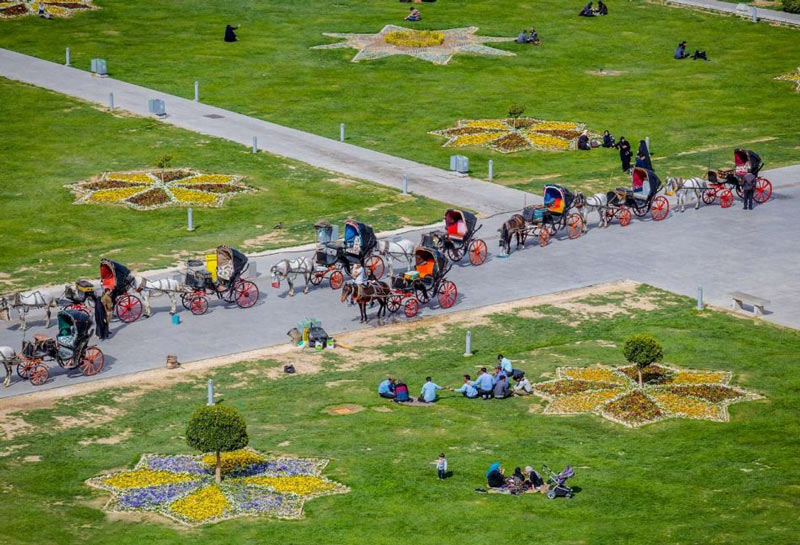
(337, 279)
(128, 308)
(92, 361)
(186, 300)
(26, 366)
(610, 215)
(317, 277)
(624, 216)
(726, 199)
(659, 208)
(39, 374)
(574, 226)
(199, 305)
(709, 196)
(423, 296)
(640, 211)
(739, 191)
(245, 294)
(448, 293)
(394, 303)
(763, 190)
(412, 308)
(544, 236)
(376, 266)
(454, 253)
(79, 307)
(477, 252)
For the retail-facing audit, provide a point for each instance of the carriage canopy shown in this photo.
(746, 161)
(459, 224)
(558, 199)
(73, 324)
(326, 233)
(230, 262)
(645, 183)
(359, 238)
(429, 262)
(115, 277)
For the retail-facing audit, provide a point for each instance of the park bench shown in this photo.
(758, 303)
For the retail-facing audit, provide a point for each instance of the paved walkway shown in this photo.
(484, 197)
(720, 250)
(772, 16)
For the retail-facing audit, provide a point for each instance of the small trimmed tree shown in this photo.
(217, 429)
(514, 111)
(642, 350)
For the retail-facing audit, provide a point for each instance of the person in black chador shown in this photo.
(230, 35)
(625, 153)
(100, 318)
(643, 157)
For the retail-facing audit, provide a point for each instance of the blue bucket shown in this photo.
(176, 319)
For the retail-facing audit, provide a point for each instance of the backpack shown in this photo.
(401, 392)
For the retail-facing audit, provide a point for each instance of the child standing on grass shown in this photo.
(441, 466)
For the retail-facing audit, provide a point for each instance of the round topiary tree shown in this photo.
(514, 111)
(642, 350)
(217, 429)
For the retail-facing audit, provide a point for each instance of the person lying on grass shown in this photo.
(428, 394)
(415, 15)
(386, 388)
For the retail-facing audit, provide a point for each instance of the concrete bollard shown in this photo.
(110, 101)
(255, 144)
(468, 351)
(699, 298)
(189, 219)
(341, 132)
(210, 391)
(197, 91)
(491, 170)
(405, 184)
(67, 63)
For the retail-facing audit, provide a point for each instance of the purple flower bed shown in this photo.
(152, 496)
(279, 467)
(177, 464)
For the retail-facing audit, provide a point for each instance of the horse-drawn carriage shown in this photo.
(545, 220)
(77, 297)
(722, 182)
(458, 238)
(70, 349)
(221, 274)
(334, 257)
(642, 198)
(117, 278)
(427, 280)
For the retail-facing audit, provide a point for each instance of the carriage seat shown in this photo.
(40, 338)
(457, 229)
(225, 271)
(425, 268)
(66, 340)
(622, 193)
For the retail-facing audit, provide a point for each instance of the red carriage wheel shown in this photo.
(726, 199)
(544, 236)
(337, 279)
(376, 266)
(186, 300)
(659, 208)
(199, 305)
(412, 308)
(92, 361)
(709, 196)
(39, 374)
(245, 294)
(317, 277)
(394, 303)
(454, 253)
(128, 308)
(448, 293)
(574, 226)
(763, 190)
(624, 216)
(477, 252)
(25, 367)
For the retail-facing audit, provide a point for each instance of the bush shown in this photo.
(792, 6)
(514, 111)
(216, 428)
(642, 350)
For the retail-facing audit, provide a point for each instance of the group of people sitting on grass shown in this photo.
(680, 53)
(518, 483)
(587, 10)
(525, 38)
(486, 385)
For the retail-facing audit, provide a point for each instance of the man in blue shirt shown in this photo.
(484, 383)
(429, 390)
(468, 388)
(386, 388)
(505, 364)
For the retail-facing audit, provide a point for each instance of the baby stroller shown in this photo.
(557, 482)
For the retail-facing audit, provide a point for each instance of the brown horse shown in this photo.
(515, 226)
(363, 294)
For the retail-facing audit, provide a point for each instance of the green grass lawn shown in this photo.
(678, 481)
(50, 141)
(694, 112)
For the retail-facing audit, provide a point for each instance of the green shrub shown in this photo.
(792, 6)
(642, 350)
(216, 428)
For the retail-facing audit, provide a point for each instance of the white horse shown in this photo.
(596, 203)
(23, 302)
(7, 358)
(166, 286)
(681, 188)
(399, 250)
(288, 269)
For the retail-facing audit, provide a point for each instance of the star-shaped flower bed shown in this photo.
(455, 40)
(52, 8)
(614, 393)
(182, 487)
(792, 77)
(509, 135)
(147, 190)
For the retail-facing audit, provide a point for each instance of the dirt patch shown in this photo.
(273, 237)
(342, 181)
(8, 451)
(605, 72)
(713, 148)
(111, 32)
(382, 409)
(528, 313)
(337, 383)
(284, 443)
(32, 459)
(341, 410)
(112, 440)
(102, 414)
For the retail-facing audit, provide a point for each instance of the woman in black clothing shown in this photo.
(608, 140)
(230, 35)
(625, 153)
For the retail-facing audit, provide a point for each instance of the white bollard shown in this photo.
(67, 63)
(491, 170)
(210, 391)
(110, 101)
(341, 132)
(255, 144)
(699, 298)
(755, 14)
(405, 184)
(197, 91)
(189, 219)
(468, 351)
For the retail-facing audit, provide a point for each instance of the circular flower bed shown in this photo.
(414, 38)
(795, 77)
(614, 393)
(18, 8)
(182, 487)
(150, 189)
(512, 135)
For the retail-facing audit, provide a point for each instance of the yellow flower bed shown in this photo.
(554, 125)
(193, 196)
(302, 485)
(233, 460)
(414, 38)
(114, 195)
(700, 377)
(146, 477)
(688, 406)
(207, 179)
(488, 124)
(546, 141)
(581, 403)
(592, 374)
(476, 139)
(206, 503)
(133, 177)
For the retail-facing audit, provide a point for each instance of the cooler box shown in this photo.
(211, 265)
